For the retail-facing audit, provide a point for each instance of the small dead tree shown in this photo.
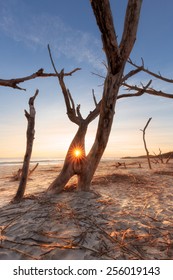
(29, 144)
(145, 144)
(159, 156)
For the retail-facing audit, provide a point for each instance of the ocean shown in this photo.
(41, 161)
(19, 161)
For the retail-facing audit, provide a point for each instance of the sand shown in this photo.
(128, 215)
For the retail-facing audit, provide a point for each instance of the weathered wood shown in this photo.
(145, 144)
(33, 169)
(116, 60)
(17, 175)
(29, 144)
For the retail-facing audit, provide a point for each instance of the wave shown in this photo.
(7, 161)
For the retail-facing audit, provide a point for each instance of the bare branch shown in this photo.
(158, 76)
(95, 101)
(140, 91)
(103, 15)
(93, 114)
(70, 106)
(13, 83)
(104, 63)
(78, 112)
(147, 124)
(27, 115)
(148, 90)
(131, 73)
(96, 74)
(72, 72)
(31, 100)
(130, 27)
(145, 144)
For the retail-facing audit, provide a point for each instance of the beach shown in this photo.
(128, 214)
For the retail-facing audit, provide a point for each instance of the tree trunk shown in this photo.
(30, 138)
(85, 166)
(107, 111)
(75, 161)
(145, 144)
(117, 56)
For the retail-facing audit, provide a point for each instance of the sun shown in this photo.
(77, 153)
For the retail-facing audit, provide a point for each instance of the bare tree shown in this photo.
(76, 161)
(29, 144)
(85, 165)
(145, 144)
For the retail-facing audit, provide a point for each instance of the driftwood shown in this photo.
(120, 164)
(160, 157)
(17, 175)
(168, 158)
(30, 139)
(145, 144)
(125, 165)
(117, 55)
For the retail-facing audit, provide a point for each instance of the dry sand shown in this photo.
(129, 215)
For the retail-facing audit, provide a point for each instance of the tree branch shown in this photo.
(131, 73)
(94, 98)
(148, 90)
(13, 83)
(140, 91)
(142, 68)
(93, 114)
(130, 27)
(78, 112)
(71, 112)
(103, 15)
(145, 144)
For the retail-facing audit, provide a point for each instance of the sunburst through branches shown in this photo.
(77, 153)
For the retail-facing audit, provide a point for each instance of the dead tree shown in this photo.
(169, 157)
(159, 156)
(29, 144)
(85, 165)
(145, 144)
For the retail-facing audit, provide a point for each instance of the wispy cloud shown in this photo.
(37, 30)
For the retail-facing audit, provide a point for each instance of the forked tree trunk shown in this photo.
(74, 163)
(117, 56)
(29, 144)
(85, 166)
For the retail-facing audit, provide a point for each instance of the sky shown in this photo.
(69, 26)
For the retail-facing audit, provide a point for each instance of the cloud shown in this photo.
(37, 30)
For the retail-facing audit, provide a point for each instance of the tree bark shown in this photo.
(29, 144)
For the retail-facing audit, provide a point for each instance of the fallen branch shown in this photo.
(17, 175)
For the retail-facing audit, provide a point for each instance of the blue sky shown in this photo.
(26, 27)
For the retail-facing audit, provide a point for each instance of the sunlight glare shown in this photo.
(77, 153)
